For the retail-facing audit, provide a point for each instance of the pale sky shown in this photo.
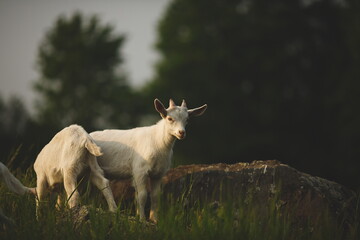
(23, 24)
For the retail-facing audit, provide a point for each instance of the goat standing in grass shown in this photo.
(14, 185)
(63, 159)
(145, 153)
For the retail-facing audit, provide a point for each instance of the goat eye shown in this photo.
(170, 119)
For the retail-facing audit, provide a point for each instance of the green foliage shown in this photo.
(274, 74)
(15, 131)
(80, 78)
(245, 221)
(13, 116)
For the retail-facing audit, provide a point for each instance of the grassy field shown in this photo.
(176, 221)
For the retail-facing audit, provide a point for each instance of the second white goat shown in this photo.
(145, 153)
(64, 159)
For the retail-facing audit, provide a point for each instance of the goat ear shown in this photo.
(197, 111)
(160, 108)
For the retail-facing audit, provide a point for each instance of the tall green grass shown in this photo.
(177, 220)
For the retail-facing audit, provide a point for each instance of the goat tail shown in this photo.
(12, 183)
(92, 147)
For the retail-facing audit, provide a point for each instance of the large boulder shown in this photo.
(260, 183)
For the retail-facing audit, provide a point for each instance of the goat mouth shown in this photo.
(180, 137)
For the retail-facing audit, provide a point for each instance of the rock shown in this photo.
(77, 215)
(80, 215)
(257, 182)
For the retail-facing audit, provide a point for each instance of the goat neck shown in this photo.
(163, 138)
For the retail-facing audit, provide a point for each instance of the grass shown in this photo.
(209, 221)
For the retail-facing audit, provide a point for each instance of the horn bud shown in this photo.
(183, 104)
(172, 103)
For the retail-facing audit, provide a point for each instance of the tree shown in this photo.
(15, 125)
(81, 81)
(13, 117)
(269, 71)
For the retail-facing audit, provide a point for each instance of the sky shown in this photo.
(23, 24)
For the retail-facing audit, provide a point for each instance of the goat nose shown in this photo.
(181, 132)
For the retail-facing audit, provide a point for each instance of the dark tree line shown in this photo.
(281, 79)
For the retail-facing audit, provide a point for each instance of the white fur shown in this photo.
(14, 185)
(63, 159)
(144, 153)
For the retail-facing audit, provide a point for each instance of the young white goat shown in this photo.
(63, 159)
(144, 153)
(14, 185)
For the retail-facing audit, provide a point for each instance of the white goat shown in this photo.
(63, 159)
(144, 153)
(14, 185)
